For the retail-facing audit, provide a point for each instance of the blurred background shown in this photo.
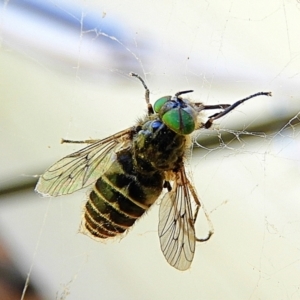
(64, 69)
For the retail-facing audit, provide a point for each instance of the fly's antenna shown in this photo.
(147, 93)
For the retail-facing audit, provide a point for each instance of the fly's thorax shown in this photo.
(156, 147)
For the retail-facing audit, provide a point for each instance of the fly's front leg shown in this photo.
(147, 93)
(198, 205)
(227, 108)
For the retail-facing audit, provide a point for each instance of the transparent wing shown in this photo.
(83, 167)
(176, 224)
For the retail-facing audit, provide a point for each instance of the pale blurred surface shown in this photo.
(64, 73)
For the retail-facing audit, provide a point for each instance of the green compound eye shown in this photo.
(179, 121)
(160, 102)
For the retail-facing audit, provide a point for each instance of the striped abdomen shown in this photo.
(120, 197)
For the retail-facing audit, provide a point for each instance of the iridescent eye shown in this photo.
(160, 102)
(179, 120)
(176, 114)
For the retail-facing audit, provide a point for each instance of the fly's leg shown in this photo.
(183, 92)
(217, 106)
(227, 108)
(198, 205)
(147, 93)
(63, 141)
(124, 134)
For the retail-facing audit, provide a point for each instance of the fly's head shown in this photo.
(178, 114)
